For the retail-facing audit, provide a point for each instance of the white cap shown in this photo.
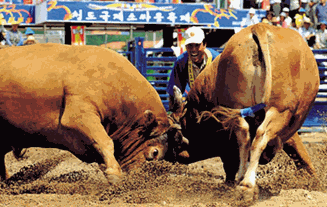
(194, 35)
(283, 14)
(285, 9)
(252, 11)
(306, 20)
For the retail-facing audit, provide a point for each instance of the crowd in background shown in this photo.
(14, 37)
(308, 17)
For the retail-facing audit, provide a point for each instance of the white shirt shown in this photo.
(295, 4)
(247, 21)
(288, 21)
(305, 32)
(321, 39)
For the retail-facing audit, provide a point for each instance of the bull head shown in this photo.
(150, 139)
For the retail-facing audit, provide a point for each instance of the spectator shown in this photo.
(321, 36)
(321, 42)
(29, 32)
(299, 17)
(275, 6)
(30, 40)
(294, 8)
(270, 16)
(250, 19)
(275, 22)
(283, 22)
(311, 11)
(304, 4)
(321, 11)
(293, 26)
(14, 37)
(2, 39)
(2, 30)
(191, 63)
(288, 19)
(307, 32)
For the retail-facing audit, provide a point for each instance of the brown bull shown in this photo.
(262, 66)
(90, 101)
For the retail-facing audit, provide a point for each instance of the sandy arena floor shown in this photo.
(52, 177)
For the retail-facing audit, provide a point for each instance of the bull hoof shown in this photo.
(114, 176)
(246, 194)
(231, 183)
(114, 179)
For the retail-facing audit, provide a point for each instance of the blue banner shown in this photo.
(205, 15)
(145, 13)
(24, 14)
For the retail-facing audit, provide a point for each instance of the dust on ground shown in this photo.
(52, 177)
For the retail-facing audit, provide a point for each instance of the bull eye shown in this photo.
(155, 153)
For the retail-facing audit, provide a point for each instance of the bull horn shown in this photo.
(178, 95)
(185, 141)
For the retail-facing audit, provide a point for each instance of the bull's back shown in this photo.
(31, 89)
(35, 80)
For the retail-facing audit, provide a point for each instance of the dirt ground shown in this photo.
(52, 177)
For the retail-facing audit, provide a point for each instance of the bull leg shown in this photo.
(231, 166)
(4, 149)
(272, 125)
(3, 170)
(295, 149)
(85, 121)
(243, 140)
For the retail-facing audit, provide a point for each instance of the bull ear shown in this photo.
(149, 118)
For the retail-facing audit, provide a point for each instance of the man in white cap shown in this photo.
(307, 32)
(287, 19)
(250, 19)
(321, 36)
(189, 64)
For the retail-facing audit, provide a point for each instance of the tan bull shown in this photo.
(264, 67)
(85, 99)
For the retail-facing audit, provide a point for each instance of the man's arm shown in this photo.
(8, 38)
(21, 40)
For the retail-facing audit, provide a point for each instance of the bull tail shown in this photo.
(227, 117)
(260, 36)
